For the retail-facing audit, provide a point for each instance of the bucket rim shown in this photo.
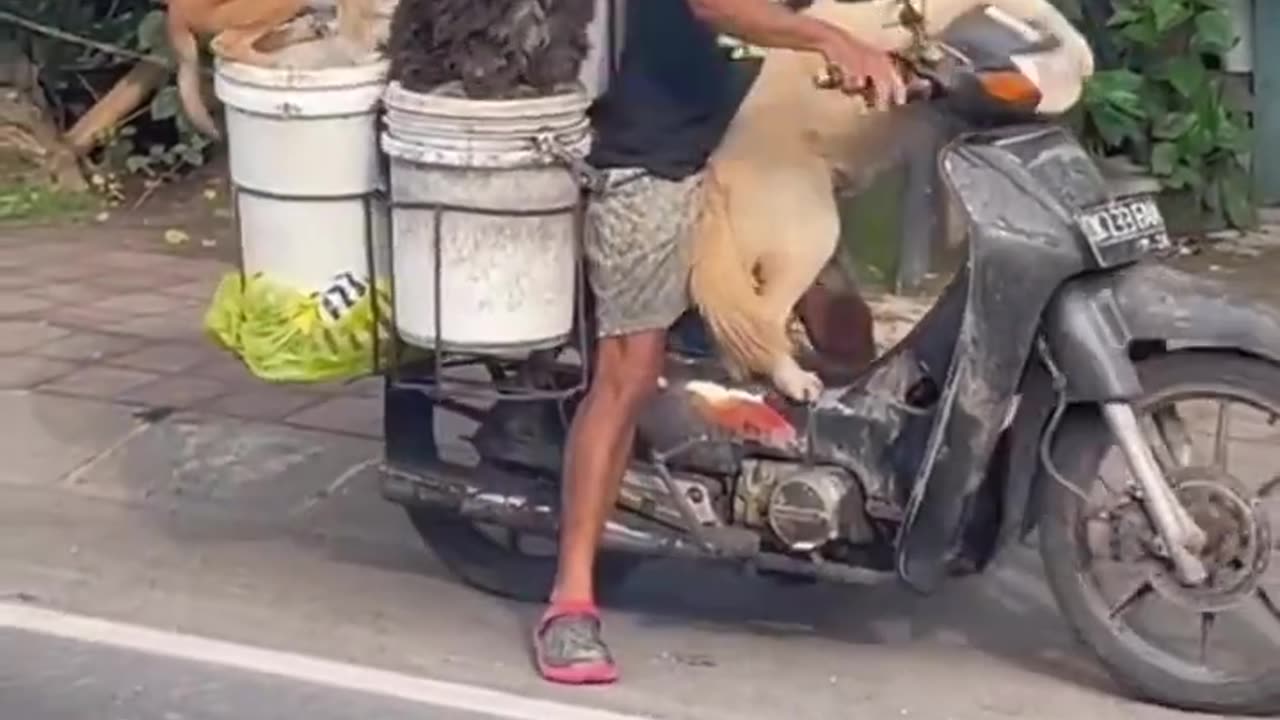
(373, 72)
(397, 98)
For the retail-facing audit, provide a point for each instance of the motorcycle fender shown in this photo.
(1097, 322)
(1156, 306)
(1185, 311)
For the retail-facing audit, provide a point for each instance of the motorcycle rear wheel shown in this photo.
(1067, 531)
(488, 564)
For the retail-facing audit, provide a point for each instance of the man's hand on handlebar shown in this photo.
(859, 69)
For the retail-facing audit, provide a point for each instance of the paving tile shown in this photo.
(20, 335)
(99, 382)
(173, 392)
(165, 357)
(133, 259)
(364, 387)
(22, 303)
(198, 268)
(80, 317)
(84, 345)
(46, 437)
(226, 367)
(124, 281)
(181, 324)
(12, 279)
(71, 292)
(61, 270)
(346, 414)
(268, 402)
(200, 291)
(19, 372)
(142, 303)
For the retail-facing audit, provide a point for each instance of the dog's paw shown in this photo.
(797, 383)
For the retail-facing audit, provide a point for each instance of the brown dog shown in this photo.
(769, 220)
(240, 28)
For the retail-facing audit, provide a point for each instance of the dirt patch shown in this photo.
(189, 217)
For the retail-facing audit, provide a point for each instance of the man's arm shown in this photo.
(770, 24)
(766, 23)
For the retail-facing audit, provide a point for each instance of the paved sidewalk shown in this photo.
(90, 319)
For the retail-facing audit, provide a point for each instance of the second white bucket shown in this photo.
(304, 160)
(505, 213)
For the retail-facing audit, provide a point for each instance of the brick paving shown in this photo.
(82, 319)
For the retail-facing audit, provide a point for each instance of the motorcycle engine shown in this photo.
(805, 507)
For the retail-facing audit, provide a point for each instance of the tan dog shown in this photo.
(769, 219)
(242, 29)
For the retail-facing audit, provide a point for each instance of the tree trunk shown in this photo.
(25, 129)
(129, 92)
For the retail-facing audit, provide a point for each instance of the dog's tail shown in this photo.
(723, 286)
(185, 48)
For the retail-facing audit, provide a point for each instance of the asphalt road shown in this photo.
(47, 678)
(276, 541)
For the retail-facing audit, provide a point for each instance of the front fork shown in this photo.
(1182, 538)
(1086, 349)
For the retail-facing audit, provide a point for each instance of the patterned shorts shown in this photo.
(637, 250)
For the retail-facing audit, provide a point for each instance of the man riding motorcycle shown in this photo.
(665, 110)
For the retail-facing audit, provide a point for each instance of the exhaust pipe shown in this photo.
(529, 506)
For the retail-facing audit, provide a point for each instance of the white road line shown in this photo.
(318, 671)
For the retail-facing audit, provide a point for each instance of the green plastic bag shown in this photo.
(284, 335)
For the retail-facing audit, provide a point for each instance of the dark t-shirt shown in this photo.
(672, 97)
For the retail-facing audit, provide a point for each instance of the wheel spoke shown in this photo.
(1222, 434)
(1131, 598)
(1264, 596)
(1206, 626)
(1170, 442)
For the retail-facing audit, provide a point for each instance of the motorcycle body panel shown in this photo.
(1019, 188)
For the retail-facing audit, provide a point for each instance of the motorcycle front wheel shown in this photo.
(1212, 421)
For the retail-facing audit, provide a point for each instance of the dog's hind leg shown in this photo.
(802, 229)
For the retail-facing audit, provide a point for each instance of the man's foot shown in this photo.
(569, 649)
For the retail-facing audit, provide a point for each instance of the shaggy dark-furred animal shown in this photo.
(495, 49)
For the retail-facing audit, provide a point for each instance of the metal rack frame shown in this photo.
(440, 385)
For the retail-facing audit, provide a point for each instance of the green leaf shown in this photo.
(1214, 33)
(151, 31)
(1124, 16)
(1237, 200)
(193, 157)
(1169, 14)
(136, 163)
(1173, 126)
(1186, 74)
(1183, 177)
(1142, 34)
(1164, 158)
(165, 104)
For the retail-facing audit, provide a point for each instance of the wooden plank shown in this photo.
(1266, 92)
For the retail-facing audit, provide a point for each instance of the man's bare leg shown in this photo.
(599, 448)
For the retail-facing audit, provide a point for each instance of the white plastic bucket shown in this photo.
(304, 159)
(508, 244)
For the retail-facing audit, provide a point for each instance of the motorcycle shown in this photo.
(1063, 343)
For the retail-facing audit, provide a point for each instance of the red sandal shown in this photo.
(568, 647)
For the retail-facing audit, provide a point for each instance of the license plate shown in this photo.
(1124, 228)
